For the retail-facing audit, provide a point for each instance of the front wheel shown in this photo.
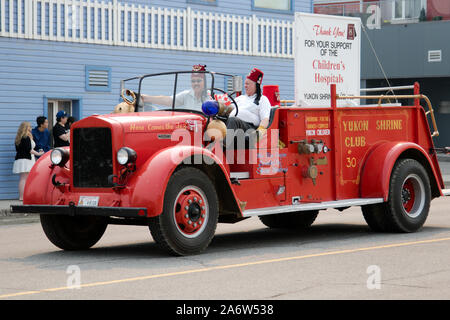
(408, 202)
(190, 214)
(73, 233)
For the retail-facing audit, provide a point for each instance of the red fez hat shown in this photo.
(199, 67)
(256, 75)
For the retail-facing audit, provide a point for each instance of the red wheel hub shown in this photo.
(190, 211)
(408, 195)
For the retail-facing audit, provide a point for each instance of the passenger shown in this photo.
(253, 107)
(188, 99)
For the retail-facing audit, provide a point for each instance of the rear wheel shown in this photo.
(73, 233)
(290, 220)
(190, 214)
(408, 202)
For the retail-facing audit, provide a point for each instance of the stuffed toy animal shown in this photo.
(123, 107)
(216, 130)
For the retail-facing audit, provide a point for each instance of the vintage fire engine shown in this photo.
(158, 167)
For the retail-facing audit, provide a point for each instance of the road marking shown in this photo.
(231, 266)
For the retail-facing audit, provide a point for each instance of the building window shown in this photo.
(98, 78)
(270, 5)
(407, 9)
(207, 2)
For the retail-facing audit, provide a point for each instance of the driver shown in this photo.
(254, 108)
(189, 99)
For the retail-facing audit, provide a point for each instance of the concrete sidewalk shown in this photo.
(6, 217)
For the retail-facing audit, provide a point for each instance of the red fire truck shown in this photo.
(157, 167)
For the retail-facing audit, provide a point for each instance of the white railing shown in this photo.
(124, 24)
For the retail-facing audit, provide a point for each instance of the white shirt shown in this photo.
(188, 100)
(249, 111)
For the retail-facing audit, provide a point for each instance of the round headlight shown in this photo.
(126, 155)
(59, 157)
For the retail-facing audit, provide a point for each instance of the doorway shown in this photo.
(56, 105)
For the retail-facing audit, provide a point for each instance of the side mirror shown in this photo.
(210, 107)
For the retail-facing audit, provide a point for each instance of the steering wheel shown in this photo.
(128, 93)
(232, 99)
(234, 92)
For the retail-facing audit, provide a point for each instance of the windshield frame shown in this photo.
(176, 73)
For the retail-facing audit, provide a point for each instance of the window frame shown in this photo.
(423, 4)
(204, 2)
(290, 11)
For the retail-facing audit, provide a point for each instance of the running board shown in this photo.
(446, 192)
(311, 206)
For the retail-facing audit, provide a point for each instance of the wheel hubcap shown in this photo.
(413, 196)
(190, 211)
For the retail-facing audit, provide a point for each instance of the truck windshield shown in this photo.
(180, 91)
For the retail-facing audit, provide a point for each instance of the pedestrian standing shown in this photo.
(41, 135)
(60, 135)
(25, 155)
(70, 121)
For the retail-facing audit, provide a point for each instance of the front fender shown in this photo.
(377, 169)
(152, 178)
(39, 188)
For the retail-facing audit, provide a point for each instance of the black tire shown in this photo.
(73, 233)
(190, 213)
(408, 201)
(290, 220)
(374, 214)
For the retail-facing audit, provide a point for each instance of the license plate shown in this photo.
(88, 201)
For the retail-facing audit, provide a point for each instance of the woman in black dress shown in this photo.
(25, 153)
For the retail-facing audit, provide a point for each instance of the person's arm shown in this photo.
(60, 132)
(36, 153)
(264, 112)
(264, 123)
(64, 137)
(36, 139)
(27, 145)
(161, 100)
(46, 146)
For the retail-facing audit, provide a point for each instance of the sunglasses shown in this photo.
(197, 81)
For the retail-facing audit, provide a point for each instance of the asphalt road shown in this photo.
(338, 258)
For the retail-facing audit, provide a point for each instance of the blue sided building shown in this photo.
(71, 54)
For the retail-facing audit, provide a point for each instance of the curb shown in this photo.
(8, 218)
(13, 218)
(443, 157)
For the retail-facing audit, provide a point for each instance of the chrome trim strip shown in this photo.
(240, 175)
(311, 206)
